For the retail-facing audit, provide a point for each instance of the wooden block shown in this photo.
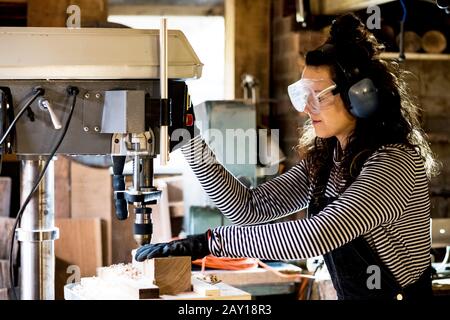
(204, 288)
(434, 41)
(412, 41)
(5, 196)
(172, 275)
(129, 280)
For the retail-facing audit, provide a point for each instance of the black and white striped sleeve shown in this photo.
(378, 196)
(274, 199)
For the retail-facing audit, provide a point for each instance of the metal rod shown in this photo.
(147, 172)
(136, 173)
(37, 233)
(164, 132)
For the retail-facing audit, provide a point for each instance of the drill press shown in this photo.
(130, 98)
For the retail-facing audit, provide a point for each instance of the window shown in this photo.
(206, 34)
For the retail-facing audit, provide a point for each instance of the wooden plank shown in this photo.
(129, 280)
(97, 289)
(122, 241)
(203, 288)
(5, 196)
(62, 187)
(94, 288)
(172, 275)
(416, 56)
(92, 197)
(91, 192)
(332, 7)
(227, 292)
(53, 13)
(252, 276)
(247, 45)
(79, 245)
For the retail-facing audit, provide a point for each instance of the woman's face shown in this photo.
(333, 119)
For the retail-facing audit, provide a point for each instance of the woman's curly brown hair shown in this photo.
(396, 119)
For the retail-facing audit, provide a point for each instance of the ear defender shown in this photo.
(363, 97)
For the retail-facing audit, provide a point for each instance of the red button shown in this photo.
(189, 120)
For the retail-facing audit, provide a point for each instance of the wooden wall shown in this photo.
(52, 13)
(247, 44)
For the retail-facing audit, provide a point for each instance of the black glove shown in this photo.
(195, 246)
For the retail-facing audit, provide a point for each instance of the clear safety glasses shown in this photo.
(312, 95)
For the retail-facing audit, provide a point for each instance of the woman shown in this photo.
(364, 178)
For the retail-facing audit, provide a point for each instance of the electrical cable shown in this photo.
(73, 91)
(402, 56)
(402, 2)
(2, 123)
(39, 91)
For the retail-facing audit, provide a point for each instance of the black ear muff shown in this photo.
(363, 96)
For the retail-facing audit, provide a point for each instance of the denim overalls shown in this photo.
(348, 265)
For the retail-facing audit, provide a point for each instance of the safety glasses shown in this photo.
(313, 95)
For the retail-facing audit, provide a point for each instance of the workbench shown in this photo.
(94, 289)
(260, 282)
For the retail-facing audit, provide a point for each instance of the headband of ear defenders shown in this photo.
(362, 94)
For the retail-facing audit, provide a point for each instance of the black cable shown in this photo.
(402, 56)
(39, 91)
(2, 124)
(73, 91)
(10, 118)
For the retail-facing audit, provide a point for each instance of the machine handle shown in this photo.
(46, 105)
(164, 132)
(120, 203)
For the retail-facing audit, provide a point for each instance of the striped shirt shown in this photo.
(388, 204)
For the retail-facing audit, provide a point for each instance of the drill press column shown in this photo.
(37, 233)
